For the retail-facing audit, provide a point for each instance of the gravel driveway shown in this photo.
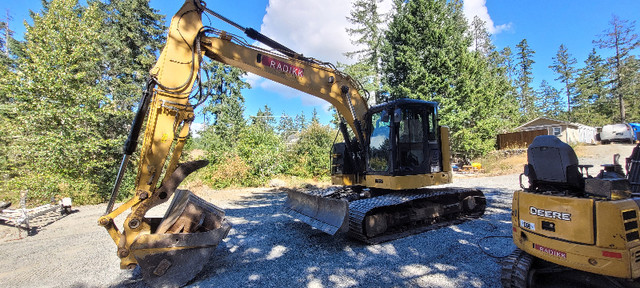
(267, 248)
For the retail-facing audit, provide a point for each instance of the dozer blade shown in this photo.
(183, 243)
(327, 214)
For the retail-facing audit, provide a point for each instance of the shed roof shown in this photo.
(544, 122)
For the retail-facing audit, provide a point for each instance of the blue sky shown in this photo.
(317, 29)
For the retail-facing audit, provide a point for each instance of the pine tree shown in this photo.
(60, 144)
(285, 126)
(621, 38)
(427, 57)
(563, 66)
(223, 109)
(524, 79)
(630, 76)
(314, 117)
(300, 122)
(592, 98)
(134, 33)
(549, 102)
(264, 119)
(368, 37)
(481, 37)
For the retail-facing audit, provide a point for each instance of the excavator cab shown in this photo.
(402, 139)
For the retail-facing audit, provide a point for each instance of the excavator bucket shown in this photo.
(182, 243)
(327, 214)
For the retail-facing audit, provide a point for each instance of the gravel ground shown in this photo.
(267, 248)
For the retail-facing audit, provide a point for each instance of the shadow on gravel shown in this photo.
(36, 225)
(268, 248)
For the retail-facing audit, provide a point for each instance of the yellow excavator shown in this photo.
(572, 229)
(397, 148)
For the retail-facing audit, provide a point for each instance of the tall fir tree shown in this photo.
(300, 122)
(563, 65)
(549, 101)
(630, 74)
(524, 72)
(285, 126)
(368, 35)
(264, 119)
(481, 37)
(223, 109)
(622, 39)
(592, 100)
(134, 34)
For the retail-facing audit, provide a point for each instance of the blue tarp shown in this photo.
(636, 130)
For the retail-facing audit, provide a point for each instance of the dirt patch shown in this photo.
(510, 162)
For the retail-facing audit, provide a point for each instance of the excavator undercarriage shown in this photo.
(374, 216)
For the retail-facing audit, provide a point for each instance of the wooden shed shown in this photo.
(568, 132)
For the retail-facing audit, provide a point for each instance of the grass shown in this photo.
(503, 162)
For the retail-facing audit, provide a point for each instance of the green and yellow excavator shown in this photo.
(572, 229)
(390, 152)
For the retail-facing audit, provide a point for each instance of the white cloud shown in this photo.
(478, 8)
(196, 128)
(313, 28)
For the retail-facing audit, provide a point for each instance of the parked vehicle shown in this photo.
(617, 133)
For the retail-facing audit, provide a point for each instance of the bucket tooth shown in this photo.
(182, 243)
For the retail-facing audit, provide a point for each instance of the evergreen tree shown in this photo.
(368, 37)
(622, 40)
(314, 117)
(134, 33)
(6, 34)
(300, 122)
(549, 101)
(592, 98)
(563, 66)
(285, 126)
(524, 78)
(630, 76)
(428, 57)
(264, 119)
(481, 37)
(506, 61)
(223, 109)
(60, 145)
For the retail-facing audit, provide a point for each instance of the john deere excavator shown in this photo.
(573, 229)
(398, 148)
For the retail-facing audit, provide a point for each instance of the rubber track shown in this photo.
(515, 269)
(358, 210)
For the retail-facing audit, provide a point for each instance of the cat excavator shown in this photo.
(390, 152)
